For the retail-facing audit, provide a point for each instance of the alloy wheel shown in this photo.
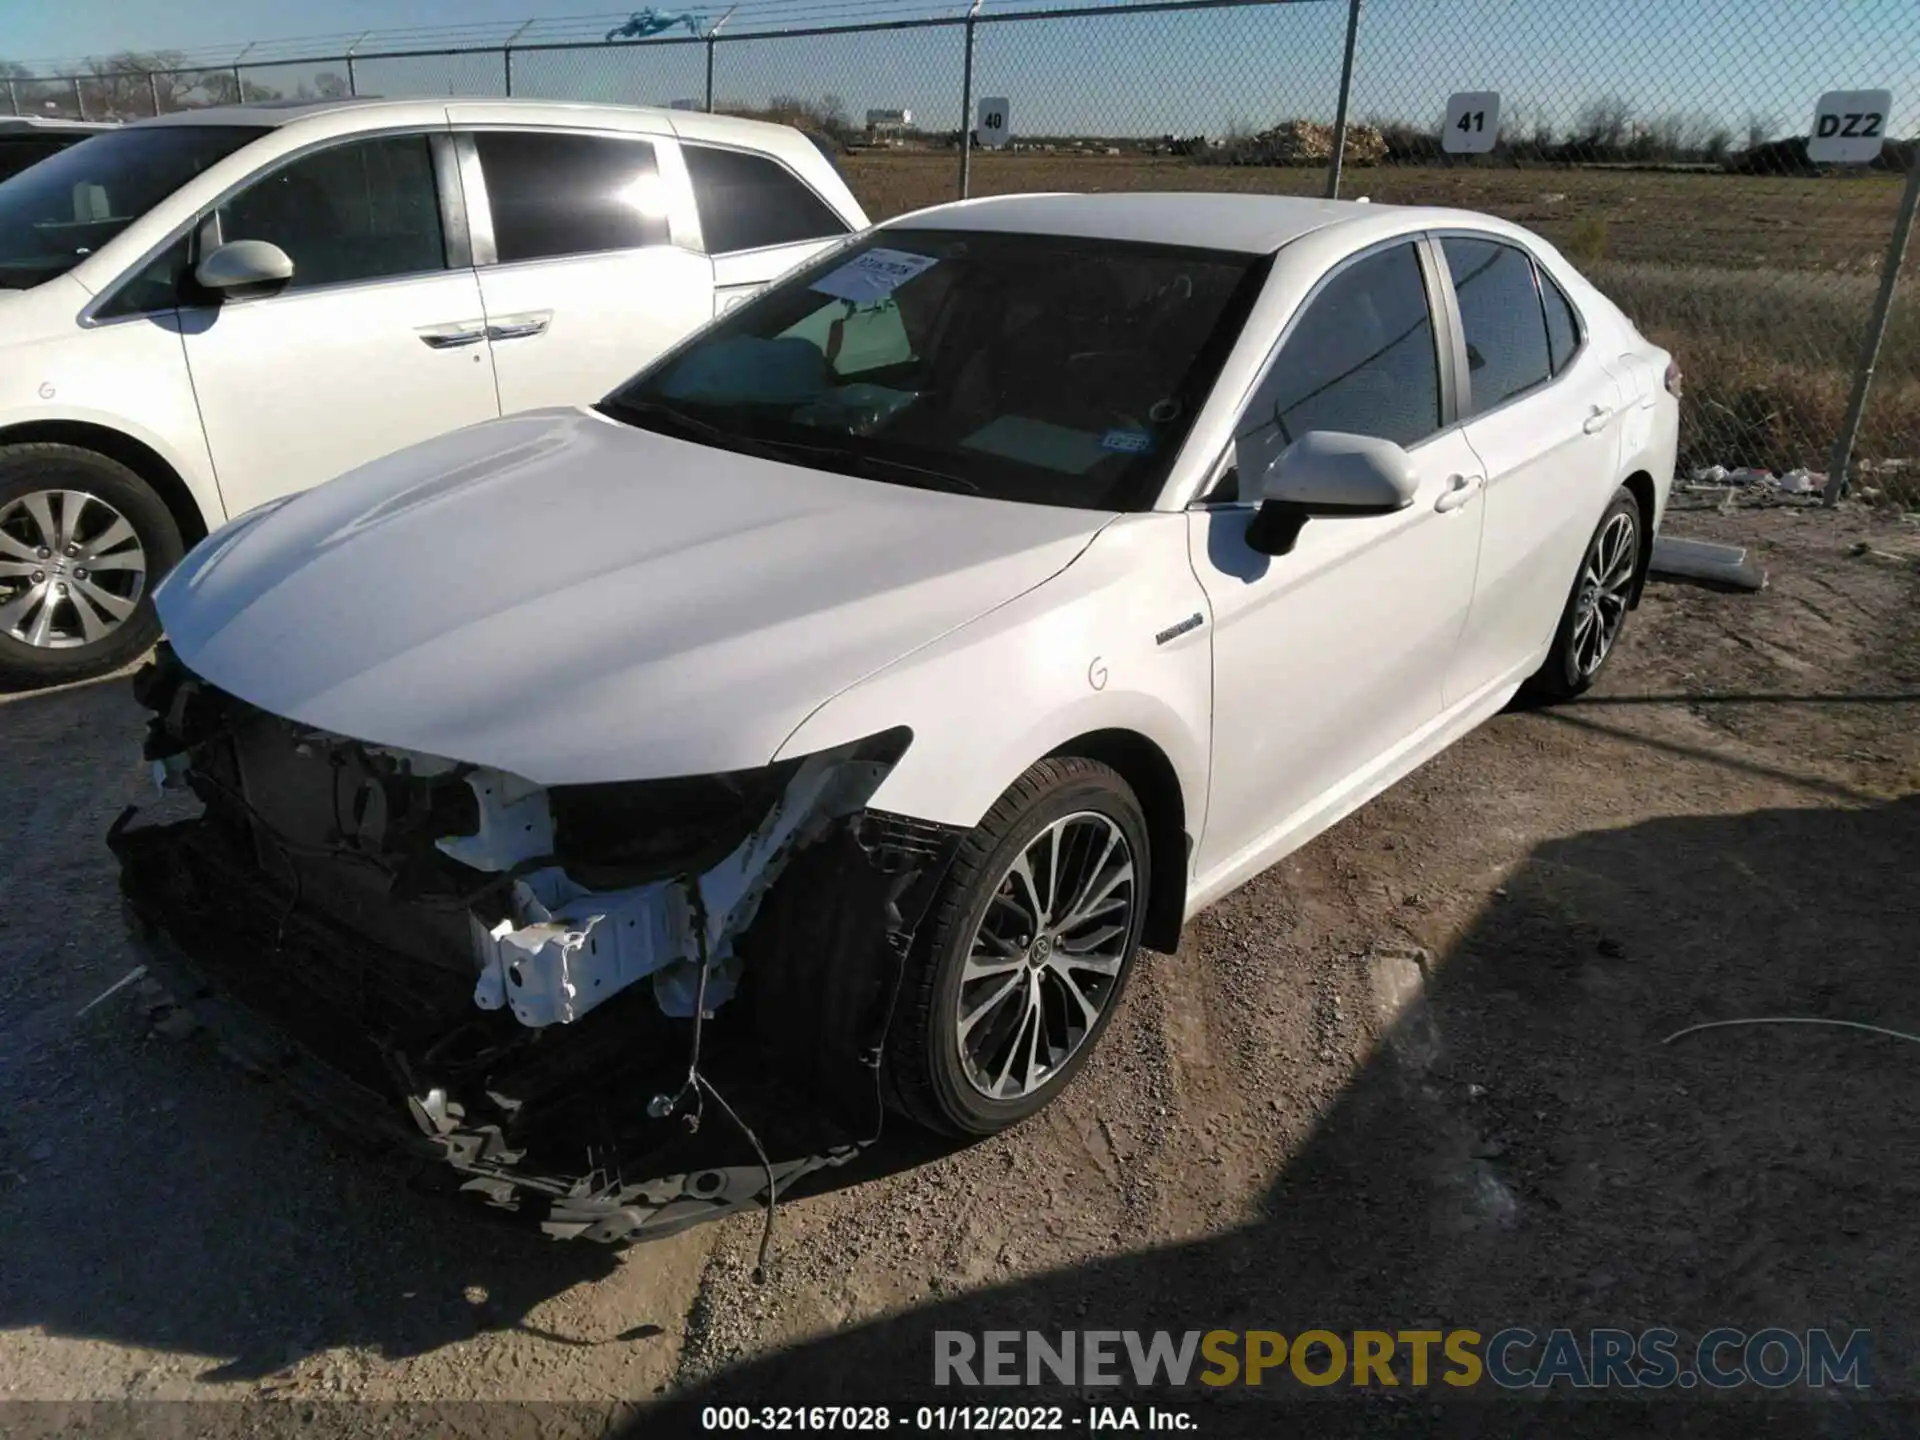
(72, 569)
(1045, 961)
(1606, 585)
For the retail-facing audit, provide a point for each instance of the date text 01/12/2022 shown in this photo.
(940, 1419)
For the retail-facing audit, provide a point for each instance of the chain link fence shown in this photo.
(1663, 148)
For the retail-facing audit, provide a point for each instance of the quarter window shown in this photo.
(1563, 325)
(366, 210)
(747, 202)
(558, 194)
(1360, 360)
(1501, 316)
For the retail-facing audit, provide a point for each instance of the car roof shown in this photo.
(403, 110)
(1247, 224)
(54, 122)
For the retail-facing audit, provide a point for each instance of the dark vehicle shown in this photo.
(27, 139)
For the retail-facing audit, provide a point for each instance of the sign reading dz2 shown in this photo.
(1849, 126)
(995, 127)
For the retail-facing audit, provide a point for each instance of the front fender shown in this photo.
(1083, 652)
(127, 377)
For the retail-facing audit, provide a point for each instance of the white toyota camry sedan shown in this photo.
(819, 725)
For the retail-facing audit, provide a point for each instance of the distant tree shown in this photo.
(1760, 130)
(124, 85)
(331, 86)
(1604, 123)
(220, 88)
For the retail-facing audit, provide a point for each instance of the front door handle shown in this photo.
(1597, 419)
(1459, 491)
(519, 327)
(453, 336)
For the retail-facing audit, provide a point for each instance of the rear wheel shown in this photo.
(82, 542)
(1022, 960)
(1596, 610)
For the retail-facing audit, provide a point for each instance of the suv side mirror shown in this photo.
(1326, 473)
(242, 265)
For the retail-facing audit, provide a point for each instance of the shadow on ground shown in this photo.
(1523, 1150)
(152, 1196)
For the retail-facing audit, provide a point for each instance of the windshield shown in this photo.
(55, 214)
(1047, 369)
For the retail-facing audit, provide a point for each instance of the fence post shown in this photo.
(506, 55)
(1340, 114)
(1876, 337)
(966, 103)
(239, 83)
(353, 80)
(712, 31)
(79, 98)
(153, 89)
(13, 96)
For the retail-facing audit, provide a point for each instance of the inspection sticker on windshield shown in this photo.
(1127, 442)
(873, 276)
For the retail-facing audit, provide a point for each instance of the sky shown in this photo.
(1723, 61)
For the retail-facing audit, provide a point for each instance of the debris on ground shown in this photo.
(1726, 566)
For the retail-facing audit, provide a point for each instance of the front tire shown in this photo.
(83, 540)
(1023, 958)
(1596, 610)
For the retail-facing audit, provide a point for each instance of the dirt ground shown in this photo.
(1412, 1075)
(1737, 222)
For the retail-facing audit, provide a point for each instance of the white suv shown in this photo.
(202, 312)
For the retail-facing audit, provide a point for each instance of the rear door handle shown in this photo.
(519, 327)
(1597, 419)
(1460, 489)
(453, 336)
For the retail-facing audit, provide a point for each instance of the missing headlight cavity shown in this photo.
(564, 946)
(451, 957)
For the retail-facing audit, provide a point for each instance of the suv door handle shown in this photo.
(451, 337)
(519, 327)
(1459, 491)
(1597, 419)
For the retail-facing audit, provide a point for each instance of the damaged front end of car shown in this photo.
(540, 987)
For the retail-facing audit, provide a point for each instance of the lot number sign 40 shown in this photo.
(995, 125)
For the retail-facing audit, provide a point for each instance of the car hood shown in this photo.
(574, 600)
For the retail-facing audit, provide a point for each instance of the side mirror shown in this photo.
(1327, 473)
(242, 265)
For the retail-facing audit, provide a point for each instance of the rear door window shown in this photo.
(1500, 313)
(748, 202)
(553, 193)
(1563, 323)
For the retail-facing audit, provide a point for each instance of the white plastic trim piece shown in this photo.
(567, 949)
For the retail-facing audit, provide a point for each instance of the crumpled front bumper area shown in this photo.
(365, 998)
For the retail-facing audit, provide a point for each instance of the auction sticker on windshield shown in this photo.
(874, 275)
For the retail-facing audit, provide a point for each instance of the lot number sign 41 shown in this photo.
(1472, 125)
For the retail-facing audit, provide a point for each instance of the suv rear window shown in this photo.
(748, 202)
(60, 211)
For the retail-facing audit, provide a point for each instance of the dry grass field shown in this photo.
(1762, 286)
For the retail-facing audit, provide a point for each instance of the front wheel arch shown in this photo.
(142, 459)
(1146, 768)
